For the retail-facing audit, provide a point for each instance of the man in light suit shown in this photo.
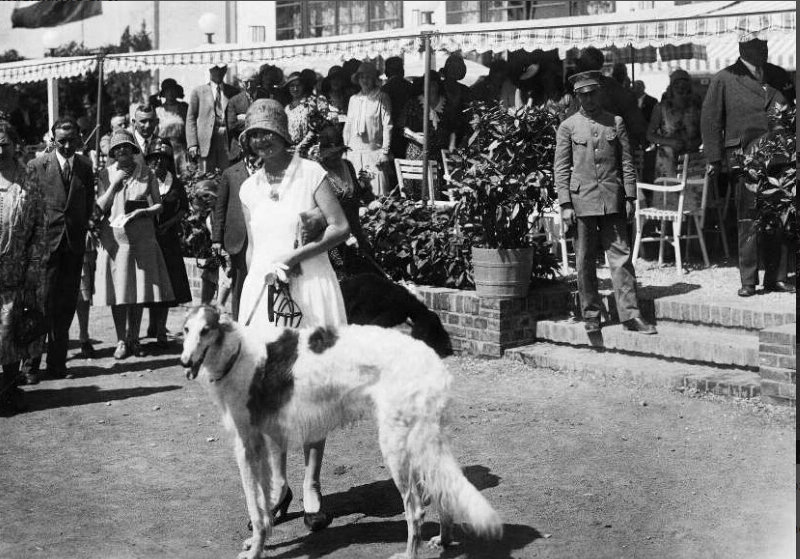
(206, 122)
(67, 181)
(735, 115)
(596, 184)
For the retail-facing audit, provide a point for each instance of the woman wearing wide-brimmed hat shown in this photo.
(301, 90)
(131, 271)
(675, 123)
(347, 260)
(274, 200)
(174, 205)
(368, 130)
(172, 121)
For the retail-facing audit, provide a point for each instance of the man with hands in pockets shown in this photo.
(596, 184)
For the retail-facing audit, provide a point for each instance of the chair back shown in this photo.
(692, 168)
(411, 170)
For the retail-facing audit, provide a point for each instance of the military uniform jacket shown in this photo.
(593, 165)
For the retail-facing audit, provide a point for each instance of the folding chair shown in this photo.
(411, 169)
(675, 200)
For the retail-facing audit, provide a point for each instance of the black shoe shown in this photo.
(779, 287)
(592, 325)
(746, 291)
(87, 351)
(639, 325)
(316, 521)
(31, 378)
(279, 510)
(58, 374)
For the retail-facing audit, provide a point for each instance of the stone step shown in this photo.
(638, 370)
(675, 341)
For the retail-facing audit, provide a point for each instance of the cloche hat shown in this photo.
(121, 137)
(266, 114)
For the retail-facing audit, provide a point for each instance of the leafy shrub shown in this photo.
(418, 243)
(504, 177)
(771, 170)
(196, 236)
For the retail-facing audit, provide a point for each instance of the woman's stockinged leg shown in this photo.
(312, 496)
(120, 315)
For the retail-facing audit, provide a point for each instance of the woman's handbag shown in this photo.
(28, 323)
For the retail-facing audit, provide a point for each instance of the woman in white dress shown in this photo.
(272, 201)
(368, 130)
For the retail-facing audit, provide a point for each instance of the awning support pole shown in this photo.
(633, 62)
(426, 186)
(99, 106)
(52, 102)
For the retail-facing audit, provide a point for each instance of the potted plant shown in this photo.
(504, 181)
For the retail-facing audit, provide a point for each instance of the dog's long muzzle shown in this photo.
(192, 366)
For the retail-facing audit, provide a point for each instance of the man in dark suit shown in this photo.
(228, 230)
(206, 123)
(735, 115)
(646, 105)
(67, 180)
(645, 102)
(596, 185)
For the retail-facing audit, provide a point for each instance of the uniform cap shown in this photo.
(583, 82)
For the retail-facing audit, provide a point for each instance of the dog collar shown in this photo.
(229, 365)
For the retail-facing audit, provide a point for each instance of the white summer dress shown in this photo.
(272, 217)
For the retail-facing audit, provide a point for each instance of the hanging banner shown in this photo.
(52, 14)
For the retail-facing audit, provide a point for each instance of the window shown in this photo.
(258, 33)
(518, 10)
(320, 18)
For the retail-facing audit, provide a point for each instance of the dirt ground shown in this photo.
(129, 460)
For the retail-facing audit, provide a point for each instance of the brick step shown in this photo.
(638, 370)
(676, 341)
(735, 317)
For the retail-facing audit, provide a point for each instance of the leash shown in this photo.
(287, 310)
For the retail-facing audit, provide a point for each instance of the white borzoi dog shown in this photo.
(285, 385)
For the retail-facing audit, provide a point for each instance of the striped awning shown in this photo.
(364, 45)
(674, 25)
(38, 70)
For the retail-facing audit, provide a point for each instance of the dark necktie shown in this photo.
(218, 105)
(66, 173)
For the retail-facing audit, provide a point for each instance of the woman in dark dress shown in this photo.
(168, 230)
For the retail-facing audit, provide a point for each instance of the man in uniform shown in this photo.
(735, 115)
(596, 184)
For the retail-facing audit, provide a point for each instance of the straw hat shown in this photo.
(266, 114)
(121, 137)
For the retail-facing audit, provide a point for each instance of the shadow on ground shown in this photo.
(332, 539)
(381, 499)
(127, 366)
(43, 399)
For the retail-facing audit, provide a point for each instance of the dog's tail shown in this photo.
(444, 483)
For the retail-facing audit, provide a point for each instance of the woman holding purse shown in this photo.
(273, 200)
(131, 271)
(22, 270)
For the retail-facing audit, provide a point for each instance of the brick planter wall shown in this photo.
(777, 354)
(487, 327)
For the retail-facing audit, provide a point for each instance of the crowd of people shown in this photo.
(297, 157)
